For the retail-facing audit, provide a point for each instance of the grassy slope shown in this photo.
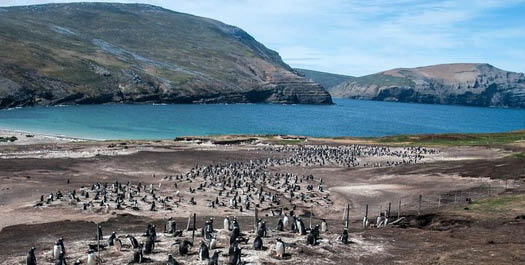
(55, 48)
(327, 80)
(480, 139)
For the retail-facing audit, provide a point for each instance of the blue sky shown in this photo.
(362, 37)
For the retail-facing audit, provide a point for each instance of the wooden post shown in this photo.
(194, 228)
(419, 208)
(310, 217)
(256, 216)
(389, 208)
(347, 216)
(189, 222)
(399, 210)
(98, 246)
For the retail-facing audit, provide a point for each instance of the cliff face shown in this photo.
(459, 84)
(89, 53)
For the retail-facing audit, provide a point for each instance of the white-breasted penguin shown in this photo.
(213, 242)
(91, 258)
(132, 241)
(204, 253)
(117, 244)
(324, 226)
(279, 248)
(214, 260)
(56, 251)
(227, 223)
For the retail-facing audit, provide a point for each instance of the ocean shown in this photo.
(346, 118)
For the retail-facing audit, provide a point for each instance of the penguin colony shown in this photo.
(239, 187)
(213, 244)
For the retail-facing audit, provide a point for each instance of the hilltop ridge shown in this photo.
(90, 53)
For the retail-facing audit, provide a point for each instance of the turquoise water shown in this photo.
(346, 118)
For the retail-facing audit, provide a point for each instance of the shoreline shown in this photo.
(38, 138)
(432, 139)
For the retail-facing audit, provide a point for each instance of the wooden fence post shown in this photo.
(419, 207)
(194, 228)
(256, 216)
(347, 216)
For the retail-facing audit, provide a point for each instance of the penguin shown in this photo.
(61, 243)
(280, 225)
(310, 239)
(171, 260)
(279, 248)
(365, 222)
(184, 247)
(324, 226)
(235, 256)
(31, 259)
(258, 243)
(214, 260)
(171, 226)
(227, 223)
(285, 221)
(56, 250)
(150, 245)
(132, 241)
(91, 258)
(117, 244)
(203, 252)
(300, 226)
(77, 262)
(213, 242)
(61, 259)
(315, 232)
(137, 254)
(111, 239)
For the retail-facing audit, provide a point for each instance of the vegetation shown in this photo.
(8, 139)
(503, 204)
(327, 80)
(482, 139)
(381, 79)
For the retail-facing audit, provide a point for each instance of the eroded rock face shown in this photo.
(459, 84)
(93, 53)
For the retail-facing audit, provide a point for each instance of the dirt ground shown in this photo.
(439, 228)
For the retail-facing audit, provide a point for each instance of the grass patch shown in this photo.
(501, 204)
(516, 155)
(482, 139)
(289, 141)
(8, 139)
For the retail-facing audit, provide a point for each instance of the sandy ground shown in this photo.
(43, 165)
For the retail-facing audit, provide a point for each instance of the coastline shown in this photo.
(38, 138)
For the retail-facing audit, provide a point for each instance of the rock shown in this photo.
(458, 84)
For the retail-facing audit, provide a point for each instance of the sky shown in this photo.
(360, 37)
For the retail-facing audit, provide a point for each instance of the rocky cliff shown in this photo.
(460, 84)
(90, 53)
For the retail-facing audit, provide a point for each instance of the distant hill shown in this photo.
(327, 80)
(460, 84)
(87, 53)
